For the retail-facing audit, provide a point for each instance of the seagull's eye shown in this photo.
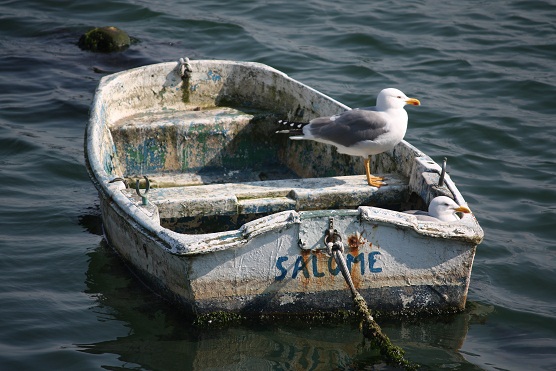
(399, 97)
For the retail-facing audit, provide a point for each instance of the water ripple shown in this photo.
(484, 72)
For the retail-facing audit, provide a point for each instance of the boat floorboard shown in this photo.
(263, 197)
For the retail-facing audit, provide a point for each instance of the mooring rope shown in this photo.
(185, 67)
(391, 354)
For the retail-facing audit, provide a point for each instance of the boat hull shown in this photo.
(395, 268)
(276, 263)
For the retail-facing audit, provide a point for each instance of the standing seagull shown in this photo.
(360, 132)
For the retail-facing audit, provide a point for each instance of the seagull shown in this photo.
(441, 209)
(361, 131)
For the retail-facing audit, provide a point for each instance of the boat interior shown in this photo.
(213, 169)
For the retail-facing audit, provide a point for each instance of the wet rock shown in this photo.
(105, 40)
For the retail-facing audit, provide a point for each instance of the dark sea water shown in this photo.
(485, 72)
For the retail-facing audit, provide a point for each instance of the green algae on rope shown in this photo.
(391, 353)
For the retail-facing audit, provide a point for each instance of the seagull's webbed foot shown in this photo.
(375, 181)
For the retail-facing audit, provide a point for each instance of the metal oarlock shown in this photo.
(143, 196)
(443, 173)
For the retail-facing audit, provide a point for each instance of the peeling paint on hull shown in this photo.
(215, 155)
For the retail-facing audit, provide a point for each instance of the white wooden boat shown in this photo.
(236, 216)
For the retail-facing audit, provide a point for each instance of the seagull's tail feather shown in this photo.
(291, 127)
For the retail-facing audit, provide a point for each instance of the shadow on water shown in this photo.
(91, 220)
(161, 337)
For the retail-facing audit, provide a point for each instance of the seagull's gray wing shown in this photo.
(371, 108)
(349, 127)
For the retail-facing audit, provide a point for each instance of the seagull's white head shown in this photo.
(444, 208)
(394, 98)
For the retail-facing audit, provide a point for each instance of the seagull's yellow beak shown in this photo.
(413, 101)
(463, 209)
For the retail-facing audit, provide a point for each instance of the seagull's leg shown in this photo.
(374, 181)
(368, 169)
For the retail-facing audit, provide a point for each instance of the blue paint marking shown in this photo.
(316, 272)
(332, 271)
(214, 76)
(350, 260)
(283, 271)
(372, 261)
(108, 164)
(300, 265)
(309, 267)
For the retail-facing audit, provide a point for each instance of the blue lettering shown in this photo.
(356, 259)
(333, 271)
(372, 261)
(283, 271)
(316, 272)
(300, 264)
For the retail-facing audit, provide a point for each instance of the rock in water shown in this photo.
(104, 40)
